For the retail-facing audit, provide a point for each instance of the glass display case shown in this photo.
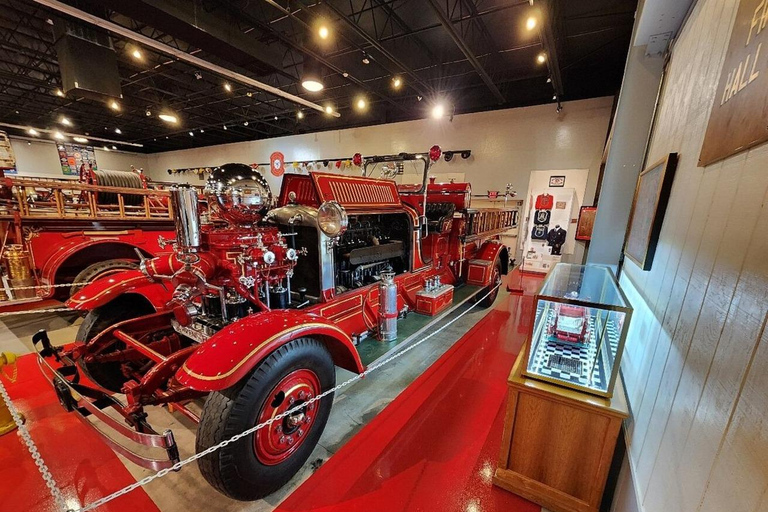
(580, 324)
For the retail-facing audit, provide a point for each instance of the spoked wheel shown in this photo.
(98, 270)
(259, 464)
(493, 288)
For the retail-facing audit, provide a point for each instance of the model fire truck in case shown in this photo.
(63, 231)
(253, 313)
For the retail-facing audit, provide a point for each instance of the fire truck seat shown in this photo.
(439, 217)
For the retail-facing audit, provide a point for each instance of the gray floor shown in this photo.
(354, 407)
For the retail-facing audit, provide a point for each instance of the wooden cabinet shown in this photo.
(558, 443)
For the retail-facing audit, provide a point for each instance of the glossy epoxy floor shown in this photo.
(430, 447)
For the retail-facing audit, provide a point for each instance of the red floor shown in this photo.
(433, 448)
(436, 446)
(62, 440)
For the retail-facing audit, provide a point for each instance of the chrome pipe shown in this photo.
(186, 217)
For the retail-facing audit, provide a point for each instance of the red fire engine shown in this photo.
(253, 312)
(59, 231)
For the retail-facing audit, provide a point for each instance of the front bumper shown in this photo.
(88, 401)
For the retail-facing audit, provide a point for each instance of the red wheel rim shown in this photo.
(279, 440)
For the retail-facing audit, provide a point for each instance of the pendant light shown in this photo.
(312, 75)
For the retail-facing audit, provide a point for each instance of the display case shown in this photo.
(580, 324)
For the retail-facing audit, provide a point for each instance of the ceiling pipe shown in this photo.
(169, 50)
(67, 134)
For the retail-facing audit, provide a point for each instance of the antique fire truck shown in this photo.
(254, 311)
(61, 231)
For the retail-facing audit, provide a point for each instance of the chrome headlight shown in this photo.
(332, 218)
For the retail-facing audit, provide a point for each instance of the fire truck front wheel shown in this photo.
(492, 291)
(260, 463)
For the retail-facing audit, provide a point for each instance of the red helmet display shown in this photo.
(357, 159)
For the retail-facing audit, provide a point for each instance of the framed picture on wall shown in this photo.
(557, 181)
(586, 223)
(648, 207)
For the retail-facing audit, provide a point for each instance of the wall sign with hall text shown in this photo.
(739, 118)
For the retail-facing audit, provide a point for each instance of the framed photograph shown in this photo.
(648, 207)
(586, 223)
(557, 181)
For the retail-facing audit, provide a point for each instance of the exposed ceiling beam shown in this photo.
(164, 48)
(549, 43)
(446, 23)
(308, 52)
(417, 83)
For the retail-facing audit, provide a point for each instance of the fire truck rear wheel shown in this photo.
(109, 375)
(100, 269)
(259, 464)
(492, 290)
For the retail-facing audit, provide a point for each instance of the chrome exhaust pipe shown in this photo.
(186, 217)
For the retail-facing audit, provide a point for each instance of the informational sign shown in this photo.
(72, 156)
(277, 163)
(737, 121)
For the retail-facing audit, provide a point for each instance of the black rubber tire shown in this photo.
(495, 279)
(235, 470)
(109, 375)
(92, 271)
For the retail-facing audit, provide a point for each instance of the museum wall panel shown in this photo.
(506, 144)
(697, 354)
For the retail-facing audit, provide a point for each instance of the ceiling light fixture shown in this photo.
(323, 32)
(438, 111)
(245, 123)
(275, 118)
(59, 93)
(114, 105)
(541, 58)
(328, 109)
(530, 24)
(168, 118)
(191, 134)
(202, 131)
(397, 82)
(300, 114)
(65, 121)
(227, 87)
(81, 140)
(136, 54)
(58, 135)
(225, 127)
(114, 148)
(105, 148)
(249, 94)
(366, 58)
(148, 112)
(312, 75)
(118, 131)
(361, 104)
(33, 132)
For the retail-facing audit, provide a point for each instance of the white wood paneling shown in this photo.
(697, 355)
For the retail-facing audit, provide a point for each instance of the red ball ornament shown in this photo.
(357, 159)
(435, 152)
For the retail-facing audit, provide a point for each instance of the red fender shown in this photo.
(109, 287)
(230, 354)
(479, 268)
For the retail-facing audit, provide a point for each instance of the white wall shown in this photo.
(506, 145)
(41, 158)
(696, 358)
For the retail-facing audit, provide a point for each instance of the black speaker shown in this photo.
(87, 61)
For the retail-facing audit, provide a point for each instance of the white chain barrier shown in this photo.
(39, 311)
(30, 444)
(144, 481)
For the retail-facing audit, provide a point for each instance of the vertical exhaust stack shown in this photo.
(186, 217)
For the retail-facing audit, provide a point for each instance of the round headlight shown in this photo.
(332, 218)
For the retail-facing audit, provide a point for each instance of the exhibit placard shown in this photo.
(738, 118)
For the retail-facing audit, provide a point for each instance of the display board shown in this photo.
(648, 207)
(737, 121)
(72, 156)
